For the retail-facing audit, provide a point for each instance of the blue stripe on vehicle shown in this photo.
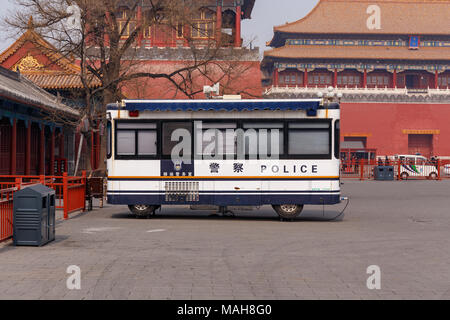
(227, 200)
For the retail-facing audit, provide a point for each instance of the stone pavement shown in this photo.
(403, 227)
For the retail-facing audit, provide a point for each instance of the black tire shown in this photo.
(142, 210)
(433, 176)
(404, 176)
(288, 211)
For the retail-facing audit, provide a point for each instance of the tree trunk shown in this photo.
(109, 96)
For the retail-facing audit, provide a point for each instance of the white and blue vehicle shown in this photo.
(283, 153)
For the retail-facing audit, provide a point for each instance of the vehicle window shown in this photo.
(147, 141)
(420, 162)
(337, 139)
(263, 139)
(311, 139)
(136, 125)
(136, 139)
(218, 138)
(126, 142)
(109, 139)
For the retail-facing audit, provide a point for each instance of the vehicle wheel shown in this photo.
(433, 176)
(404, 176)
(142, 210)
(288, 211)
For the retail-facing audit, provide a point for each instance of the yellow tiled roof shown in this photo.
(412, 17)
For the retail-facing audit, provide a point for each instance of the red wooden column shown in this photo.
(305, 78)
(13, 147)
(97, 151)
(237, 39)
(365, 79)
(61, 143)
(139, 22)
(61, 149)
(92, 150)
(28, 150)
(88, 34)
(276, 77)
(89, 37)
(335, 78)
(436, 80)
(173, 40)
(219, 23)
(109, 22)
(52, 152)
(66, 195)
(394, 79)
(42, 151)
(186, 34)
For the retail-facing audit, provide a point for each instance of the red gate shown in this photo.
(6, 213)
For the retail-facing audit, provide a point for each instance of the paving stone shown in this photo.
(401, 227)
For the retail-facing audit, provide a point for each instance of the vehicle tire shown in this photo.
(142, 210)
(288, 211)
(404, 176)
(433, 176)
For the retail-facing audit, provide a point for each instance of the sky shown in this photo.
(269, 13)
(266, 14)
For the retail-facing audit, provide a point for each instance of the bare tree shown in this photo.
(105, 39)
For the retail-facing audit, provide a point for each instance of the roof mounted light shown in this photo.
(133, 113)
(210, 90)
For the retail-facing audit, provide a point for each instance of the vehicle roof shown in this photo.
(310, 105)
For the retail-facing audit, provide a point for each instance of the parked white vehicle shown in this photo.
(225, 158)
(416, 166)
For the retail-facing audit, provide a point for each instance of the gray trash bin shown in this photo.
(380, 173)
(389, 173)
(34, 216)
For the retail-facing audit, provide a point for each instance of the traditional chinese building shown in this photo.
(32, 141)
(40, 62)
(390, 60)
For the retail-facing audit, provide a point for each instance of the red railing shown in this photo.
(402, 170)
(70, 191)
(6, 213)
(74, 193)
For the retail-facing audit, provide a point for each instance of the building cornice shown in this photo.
(400, 17)
(385, 95)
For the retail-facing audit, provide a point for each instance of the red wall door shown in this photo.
(420, 143)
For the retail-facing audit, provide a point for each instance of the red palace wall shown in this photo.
(235, 77)
(387, 125)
